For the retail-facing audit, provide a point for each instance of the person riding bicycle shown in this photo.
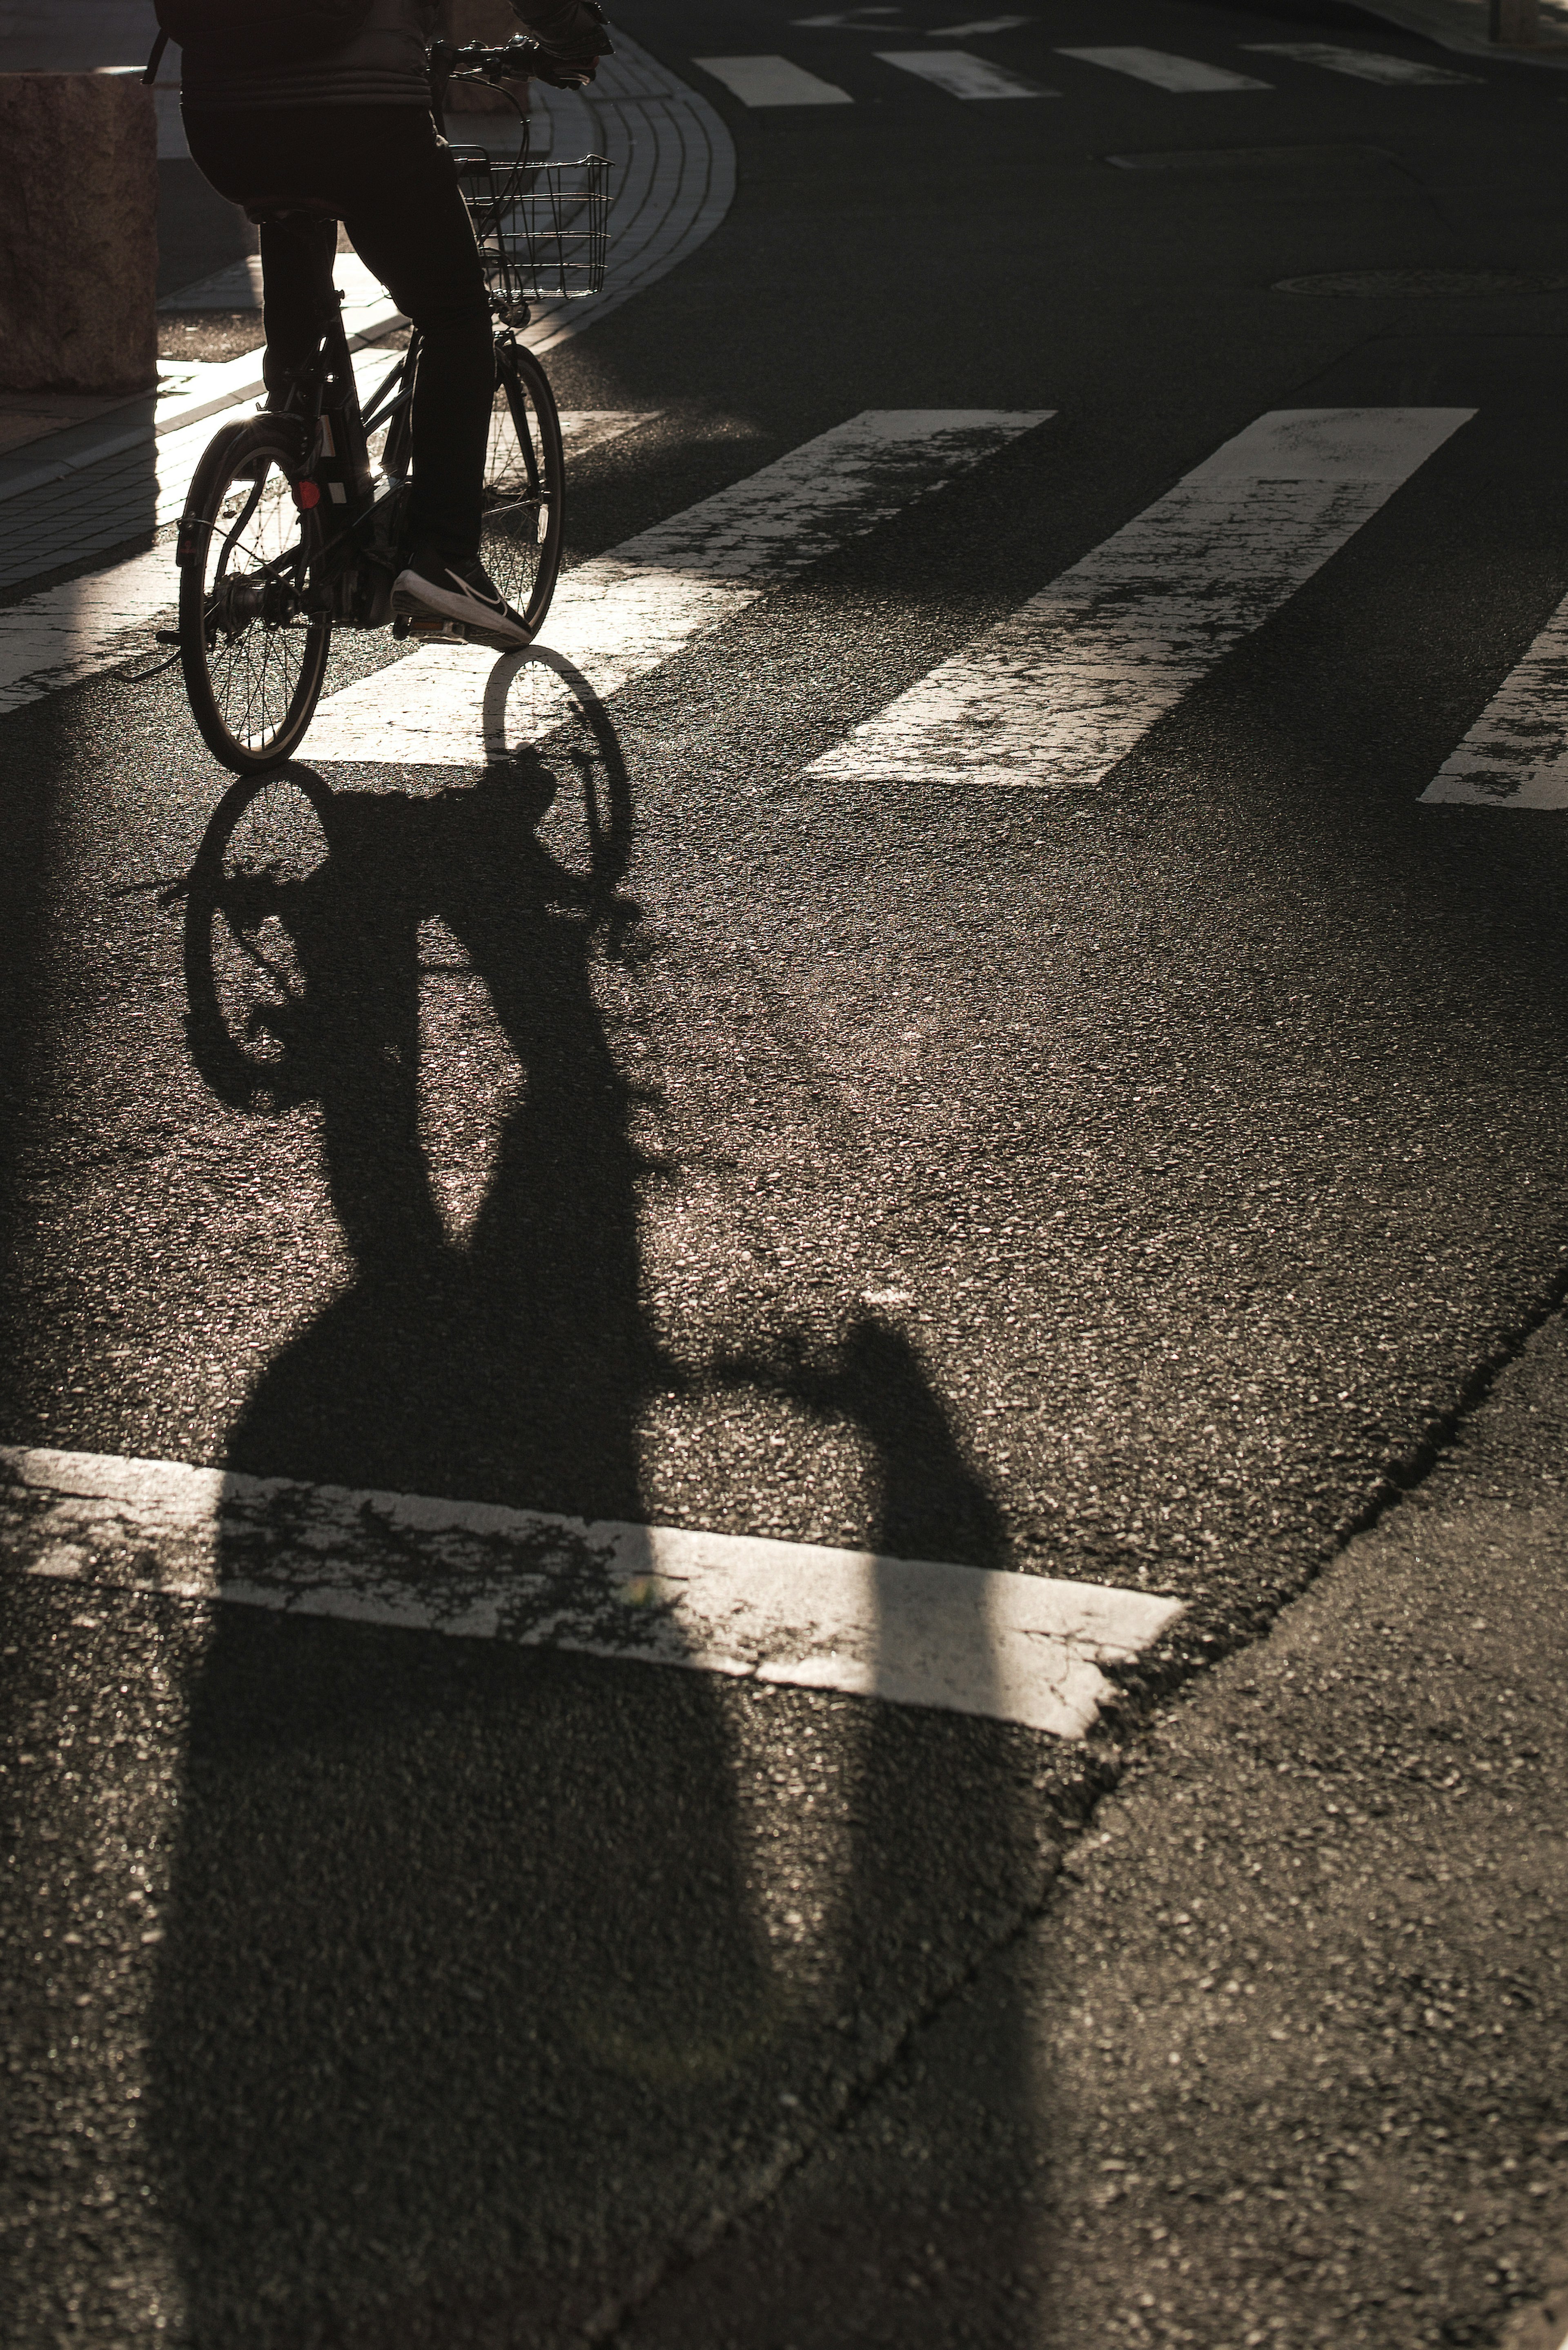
(350, 131)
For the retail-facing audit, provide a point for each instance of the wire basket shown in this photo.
(543, 228)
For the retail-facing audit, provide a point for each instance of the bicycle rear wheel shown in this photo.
(525, 485)
(253, 659)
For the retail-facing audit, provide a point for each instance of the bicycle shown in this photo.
(286, 533)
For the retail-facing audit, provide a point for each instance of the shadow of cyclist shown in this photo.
(480, 1989)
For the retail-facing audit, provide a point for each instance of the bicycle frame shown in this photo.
(350, 540)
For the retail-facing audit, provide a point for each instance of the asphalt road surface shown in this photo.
(1118, 1146)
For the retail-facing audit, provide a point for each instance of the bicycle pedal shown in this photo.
(437, 632)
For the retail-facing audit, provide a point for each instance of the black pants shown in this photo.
(390, 179)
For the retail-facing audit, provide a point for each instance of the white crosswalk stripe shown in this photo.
(1060, 691)
(851, 20)
(1516, 754)
(64, 634)
(770, 81)
(1051, 697)
(1013, 1648)
(773, 81)
(1362, 64)
(962, 75)
(1165, 70)
(620, 615)
(977, 28)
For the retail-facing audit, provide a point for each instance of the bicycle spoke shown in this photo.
(255, 661)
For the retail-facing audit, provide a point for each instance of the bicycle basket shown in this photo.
(543, 228)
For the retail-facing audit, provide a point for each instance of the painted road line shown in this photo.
(620, 615)
(853, 20)
(1063, 688)
(773, 81)
(962, 75)
(1011, 1648)
(1164, 70)
(1364, 65)
(64, 634)
(975, 30)
(1516, 754)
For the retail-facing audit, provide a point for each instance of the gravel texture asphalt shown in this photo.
(1281, 2060)
(1207, 1131)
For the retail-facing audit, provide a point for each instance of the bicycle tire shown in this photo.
(253, 663)
(525, 487)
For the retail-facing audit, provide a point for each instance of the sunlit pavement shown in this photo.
(995, 1002)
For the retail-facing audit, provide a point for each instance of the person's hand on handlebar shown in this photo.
(572, 37)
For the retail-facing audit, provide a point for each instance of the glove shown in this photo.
(572, 35)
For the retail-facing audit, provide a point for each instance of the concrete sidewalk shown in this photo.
(1283, 2060)
(1529, 32)
(101, 485)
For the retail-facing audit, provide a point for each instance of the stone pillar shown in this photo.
(493, 22)
(79, 233)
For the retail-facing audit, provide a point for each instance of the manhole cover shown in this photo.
(1460, 284)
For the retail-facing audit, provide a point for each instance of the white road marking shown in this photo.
(1063, 688)
(1008, 1648)
(1364, 65)
(61, 635)
(620, 615)
(973, 31)
(1164, 70)
(851, 20)
(1516, 754)
(962, 75)
(773, 81)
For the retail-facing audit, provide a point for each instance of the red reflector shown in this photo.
(307, 495)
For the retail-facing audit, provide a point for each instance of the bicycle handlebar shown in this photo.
(518, 59)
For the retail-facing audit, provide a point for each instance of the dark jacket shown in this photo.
(383, 65)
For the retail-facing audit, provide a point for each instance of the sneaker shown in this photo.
(432, 593)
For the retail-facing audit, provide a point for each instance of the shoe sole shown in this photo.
(427, 619)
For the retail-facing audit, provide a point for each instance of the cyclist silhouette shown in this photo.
(350, 136)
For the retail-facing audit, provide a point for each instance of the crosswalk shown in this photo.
(769, 79)
(620, 616)
(1064, 688)
(1050, 698)
(1165, 70)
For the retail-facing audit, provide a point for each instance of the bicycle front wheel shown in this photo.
(525, 485)
(253, 658)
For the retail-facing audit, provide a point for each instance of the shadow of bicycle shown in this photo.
(491, 1975)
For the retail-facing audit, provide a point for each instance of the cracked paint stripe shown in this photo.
(1013, 1648)
(618, 615)
(1063, 688)
(1516, 754)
